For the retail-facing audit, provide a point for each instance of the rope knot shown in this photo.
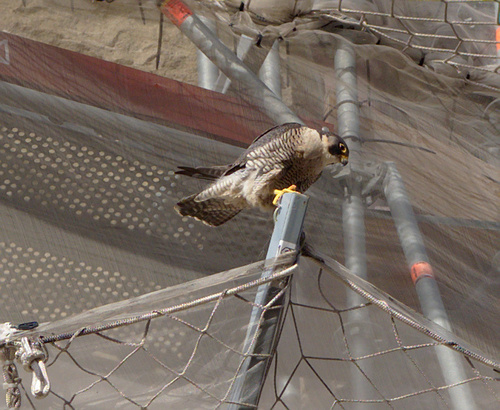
(11, 378)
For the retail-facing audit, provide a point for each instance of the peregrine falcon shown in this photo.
(289, 155)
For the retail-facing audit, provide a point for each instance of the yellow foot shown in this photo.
(279, 193)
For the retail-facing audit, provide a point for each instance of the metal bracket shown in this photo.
(264, 326)
(368, 175)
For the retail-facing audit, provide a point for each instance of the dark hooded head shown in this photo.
(338, 149)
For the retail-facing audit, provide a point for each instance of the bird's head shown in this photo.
(337, 148)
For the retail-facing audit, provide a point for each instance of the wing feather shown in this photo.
(271, 144)
(263, 167)
(207, 173)
(213, 211)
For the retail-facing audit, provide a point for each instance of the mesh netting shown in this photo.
(87, 195)
(331, 355)
(457, 33)
(454, 36)
(187, 351)
(81, 185)
(152, 351)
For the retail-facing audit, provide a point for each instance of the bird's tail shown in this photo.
(212, 211)
(208, 173)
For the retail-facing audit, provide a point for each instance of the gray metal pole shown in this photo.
(291, 209)
(425, 284)
(269, 72)
(357, 326)
(348, 128)
(247, 388)
(245, 43)
(260, 95)
(207, 71)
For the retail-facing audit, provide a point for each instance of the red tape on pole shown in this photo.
(421, 269)
(176, 11)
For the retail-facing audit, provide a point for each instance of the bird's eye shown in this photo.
(342, 147)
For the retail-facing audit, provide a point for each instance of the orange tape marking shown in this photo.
(176, 11)
(498, 38)
(421, 269)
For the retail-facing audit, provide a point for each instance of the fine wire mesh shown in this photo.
(458, 33)
(130, 354)
(330, 355)
(58, 260)
(339, 350)
(456, 184)
(454, 36)
(88, 218)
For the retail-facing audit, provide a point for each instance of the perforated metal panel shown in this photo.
(87, 209)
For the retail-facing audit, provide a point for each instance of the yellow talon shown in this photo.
(279, 193)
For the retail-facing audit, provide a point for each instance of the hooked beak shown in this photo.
(344, 160)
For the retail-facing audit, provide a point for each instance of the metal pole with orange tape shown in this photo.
(227, 62)
(414, 248)
(249, 382)
(425, 283)
(497, 31)
(498, 42)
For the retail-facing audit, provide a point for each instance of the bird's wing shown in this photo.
(269, 143)
(212, 211)
(207, 173)
(215, 172)
(272, 133)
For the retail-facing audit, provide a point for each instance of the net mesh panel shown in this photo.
(152, 351)
(457, 33)
(339, 350)
(454, 36)
(87, 195)
(115, 202)
(183, 348)
(450, 36)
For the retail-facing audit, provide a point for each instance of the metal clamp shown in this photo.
(33, 356)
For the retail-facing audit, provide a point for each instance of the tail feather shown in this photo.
(213, 211)
(208, 173)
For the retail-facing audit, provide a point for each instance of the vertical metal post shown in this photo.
(353, 213)
(348, 128)
(497, 31)
(206, 41)
(269, 72)
(425, 284)
(248, 384)
(207, 71)
(247, 388)
(245, 43)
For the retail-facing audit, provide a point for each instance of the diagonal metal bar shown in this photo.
(207, 71)
(208, 43)
(425, 283)
(264, 325)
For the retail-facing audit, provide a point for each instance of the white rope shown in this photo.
(10, 377)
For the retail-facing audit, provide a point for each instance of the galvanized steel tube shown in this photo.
(425, 284)
(207, 71)
(208, 43)
(357, 327)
